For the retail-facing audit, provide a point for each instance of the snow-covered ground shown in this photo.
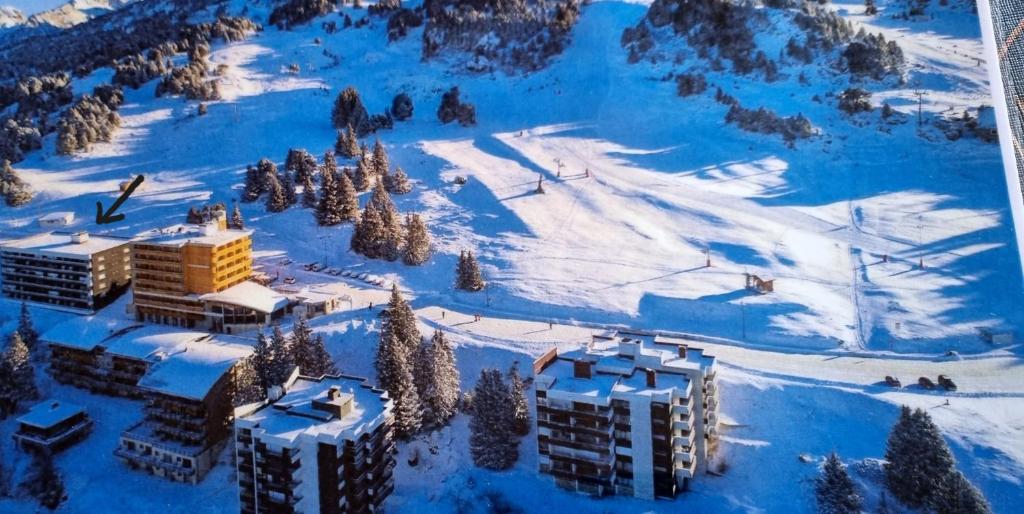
(668, 181)
(650, 182)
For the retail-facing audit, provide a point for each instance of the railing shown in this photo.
(75, 429)
(154, 461)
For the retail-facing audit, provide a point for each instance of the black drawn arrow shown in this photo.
(103, 218)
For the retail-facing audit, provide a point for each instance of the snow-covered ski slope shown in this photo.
(668, 180)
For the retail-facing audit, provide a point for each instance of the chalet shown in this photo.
(51, 426)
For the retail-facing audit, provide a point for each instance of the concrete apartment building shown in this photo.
(77, 272)
(325, 446)
(196, 276)
(110, 358)
(1001, 22)
(632, 413)
(188, 411)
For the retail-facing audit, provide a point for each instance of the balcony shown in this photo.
(681, 410)
(152, 460)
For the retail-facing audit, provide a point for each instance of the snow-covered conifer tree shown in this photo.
(491, 442)
(956, 495)
(381, 165)
(246, 386)
(291, 194)
(17, 376)
(917, 458)
(237, 221)
(253, 187)
(438, 381)
(309, 192)
(347, 199)
(308, 351)
(44, 482)
(327, 209)
(27, 330)
(277, 199)
(363, 177)
(467, 274)
(520, 407)
(369, 235)
(417, 241)
(281, 365)
(397, 182)
(834, 489)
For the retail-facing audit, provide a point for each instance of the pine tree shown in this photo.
(408, 410)
(44, 481)
(17, 376)
(330, 166)
(277, 200)
(327, 209)
(27, 331)
(467, 274)
(262, 361)
(309, 199)
(917, 458)
(291, 194)
(253, 188)
(393, 234)
(437, 380)
(834, 489)
(300, 162)
(347, 144)
(520, 407)
(384, 362)
(380, 162)
(237, 221)
(266, 171)
(281, 365)
(397, 182)
(349, 111)
(956, 495)
(369, 235)
(246, 386)
(363, 178)
(347, 199)
(491, 442)
(869, 8)
(16, 192)
(308, 351)
(400, 320)
(417, 241)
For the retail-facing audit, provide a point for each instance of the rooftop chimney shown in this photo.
(210, 228)
(652, 378)
(336, 403)
(80, 237)
(581, 368)
(682, 351)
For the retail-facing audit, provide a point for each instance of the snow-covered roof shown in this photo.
(64, 216)
(194, 367)
(50, 412)
(293, 415)
(249, 294)
(182, 234)
(151, 342)
(318, 295)
(85, 332)
(60, 244)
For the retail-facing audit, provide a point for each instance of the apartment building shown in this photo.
(325, 446)
(631, 413)
(77, 272)
(51, 426)
(1001, 22)
(109, 356)
(196, 276)
(188, 411)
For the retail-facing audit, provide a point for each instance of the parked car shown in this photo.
(926, 383)
(334, 272)
(892, 381)
(289, 280)
(309, 266)
(947, 383)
